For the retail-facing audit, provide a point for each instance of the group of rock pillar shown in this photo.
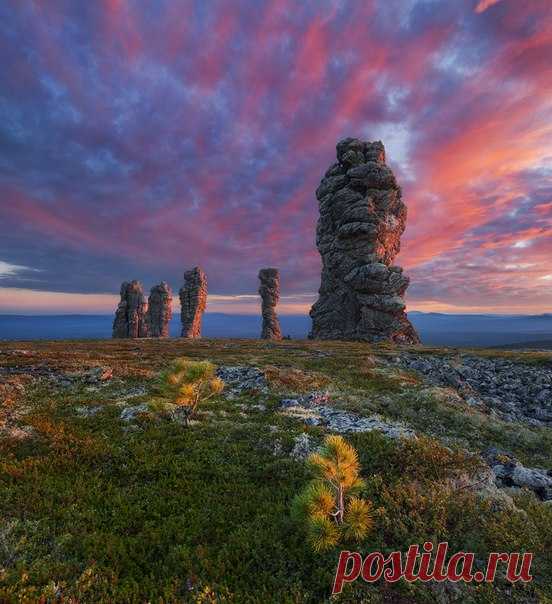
(362, 218)
(137, 318)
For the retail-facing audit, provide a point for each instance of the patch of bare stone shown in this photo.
(511, 390)
(315, 409)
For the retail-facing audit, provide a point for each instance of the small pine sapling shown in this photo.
(189, 383)
(330, 503)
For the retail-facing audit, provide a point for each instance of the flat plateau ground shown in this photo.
(105, 497)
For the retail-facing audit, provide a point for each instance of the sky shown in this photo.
(139, 139)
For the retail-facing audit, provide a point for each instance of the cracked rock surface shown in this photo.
(193, 300)
(159, 310)
(130, 316)
(362, 218)
(240, 379)
(269, 290)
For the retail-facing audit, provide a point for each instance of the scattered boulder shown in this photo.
(512, 390)
(308, 401)
(94, 376)
(313, 410)
(129, 414)
(362, 218)
(510, 473)
(130, 316)
(193, 299)
(90, 411)
(302, 447)
(159, 310)
(269, 291)
(484, 484)
(242, 379)
(130, 393)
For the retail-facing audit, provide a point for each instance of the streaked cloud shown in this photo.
(12, 270)
(139, 139)
(485, 4)
(29, 301)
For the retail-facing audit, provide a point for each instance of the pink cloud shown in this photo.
(484, 5)
(208, 131)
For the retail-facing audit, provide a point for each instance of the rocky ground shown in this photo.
(320, 408)
(432, 427)
(516, 391)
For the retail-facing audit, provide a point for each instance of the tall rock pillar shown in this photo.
(130, 316)
(362, 218)
(193, 299)
(159, 310)
(269, 291)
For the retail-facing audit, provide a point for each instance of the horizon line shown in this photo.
(306, 315)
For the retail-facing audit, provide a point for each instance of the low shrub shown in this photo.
(188, 383)
(330, 504)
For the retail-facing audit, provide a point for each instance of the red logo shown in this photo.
(421, 566)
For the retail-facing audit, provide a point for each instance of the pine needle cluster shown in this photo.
(331, 504)
(189, 383)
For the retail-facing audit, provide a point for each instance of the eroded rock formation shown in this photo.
(362, 218)
(269, 291)
(159, 310)
(193, 299)
(130, 316)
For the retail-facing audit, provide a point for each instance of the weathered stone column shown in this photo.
(269, 291)
(362, 218)
(193, 299)
(159, 310)
(130, 316)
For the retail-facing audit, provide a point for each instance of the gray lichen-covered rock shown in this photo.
(362, 218)
(130, 316)
(132, 412)
(242, 379)
(193, 299)
(510, 473)
(514, 391)
(269, 291)
(159, 310)
(303, 446)
(312, 409)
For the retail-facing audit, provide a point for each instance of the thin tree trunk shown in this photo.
(340, 504)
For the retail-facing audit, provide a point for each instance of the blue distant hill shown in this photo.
(61, 327)
(435, 328)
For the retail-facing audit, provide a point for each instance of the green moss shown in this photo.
(101, 510)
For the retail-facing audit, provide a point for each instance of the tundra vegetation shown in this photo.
(107, 496)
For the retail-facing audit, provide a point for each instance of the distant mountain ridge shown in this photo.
(438, 329)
